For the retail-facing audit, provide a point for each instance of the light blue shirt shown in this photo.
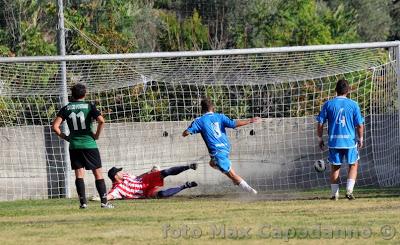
(343, 116)
(212, 128)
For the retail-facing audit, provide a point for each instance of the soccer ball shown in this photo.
(319, 166)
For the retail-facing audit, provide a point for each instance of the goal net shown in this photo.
(148, 100)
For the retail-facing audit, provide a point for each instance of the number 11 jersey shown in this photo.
(79, 116)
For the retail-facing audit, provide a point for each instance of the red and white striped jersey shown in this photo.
(134, 187)
(131, 187)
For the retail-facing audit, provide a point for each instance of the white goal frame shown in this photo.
(394, 46)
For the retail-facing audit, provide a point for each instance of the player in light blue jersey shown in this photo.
(344, 121)
(212, 127)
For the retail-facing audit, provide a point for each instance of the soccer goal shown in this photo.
(148, 100)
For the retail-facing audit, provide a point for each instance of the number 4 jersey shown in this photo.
(212, 128)
(79, 116)
(343, 116)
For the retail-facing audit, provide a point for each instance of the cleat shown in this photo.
(83, 206)
(190, 184)
(350, 196)
(254, 192)
(107, 205)
(193, 166)
(334, 198)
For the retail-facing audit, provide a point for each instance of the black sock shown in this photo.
(101, 188)
(170, 192)
(80, 188)
(173, 170)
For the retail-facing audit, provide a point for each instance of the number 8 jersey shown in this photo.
(79, 116)
(212, 128)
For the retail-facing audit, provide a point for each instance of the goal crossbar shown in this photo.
(311, 48)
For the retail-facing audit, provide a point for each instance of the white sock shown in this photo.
(246, 187)
(350, 185)
(335, 190)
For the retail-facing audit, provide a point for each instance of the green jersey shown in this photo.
(79, 116)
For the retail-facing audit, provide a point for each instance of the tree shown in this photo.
(395, 15)
(24, 29)
(282, 23)
(189, 34)
(373, 18)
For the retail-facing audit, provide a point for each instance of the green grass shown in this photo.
(271, 218)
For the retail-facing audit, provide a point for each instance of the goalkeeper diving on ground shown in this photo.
(147, 185)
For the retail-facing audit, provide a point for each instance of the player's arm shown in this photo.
(113, 194)
(321, 120)
(360, 132)
(194, 128)
(100, 126)
(320, 132)
(55, 126)
(241, 122)
(359, 121)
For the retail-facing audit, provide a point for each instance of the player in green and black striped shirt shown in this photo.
(83, 150)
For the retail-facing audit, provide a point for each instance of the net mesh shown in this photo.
(148, 102)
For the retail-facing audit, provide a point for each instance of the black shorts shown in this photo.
(85, 158)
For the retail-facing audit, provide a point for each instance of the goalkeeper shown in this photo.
(147, 185)
(212, 128)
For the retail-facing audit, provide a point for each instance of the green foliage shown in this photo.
(291, 23)
(234, 101)
(33, 43)
(373, 19)
(116, 26)
(108, 24)
(341, 23)
(28, 28)
(4, 50)
(32, 110)
(190, 34)
(395, 16)
(121, 26)
(8, 111)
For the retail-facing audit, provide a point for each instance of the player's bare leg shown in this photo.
(98, 173)
(101, 187)
(351, 180)
(80, 187)
(80, 173)
(237, 180)
(335, 169)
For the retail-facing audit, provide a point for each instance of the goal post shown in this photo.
(149, 99)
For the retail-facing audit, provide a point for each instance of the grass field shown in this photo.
(291, 218)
